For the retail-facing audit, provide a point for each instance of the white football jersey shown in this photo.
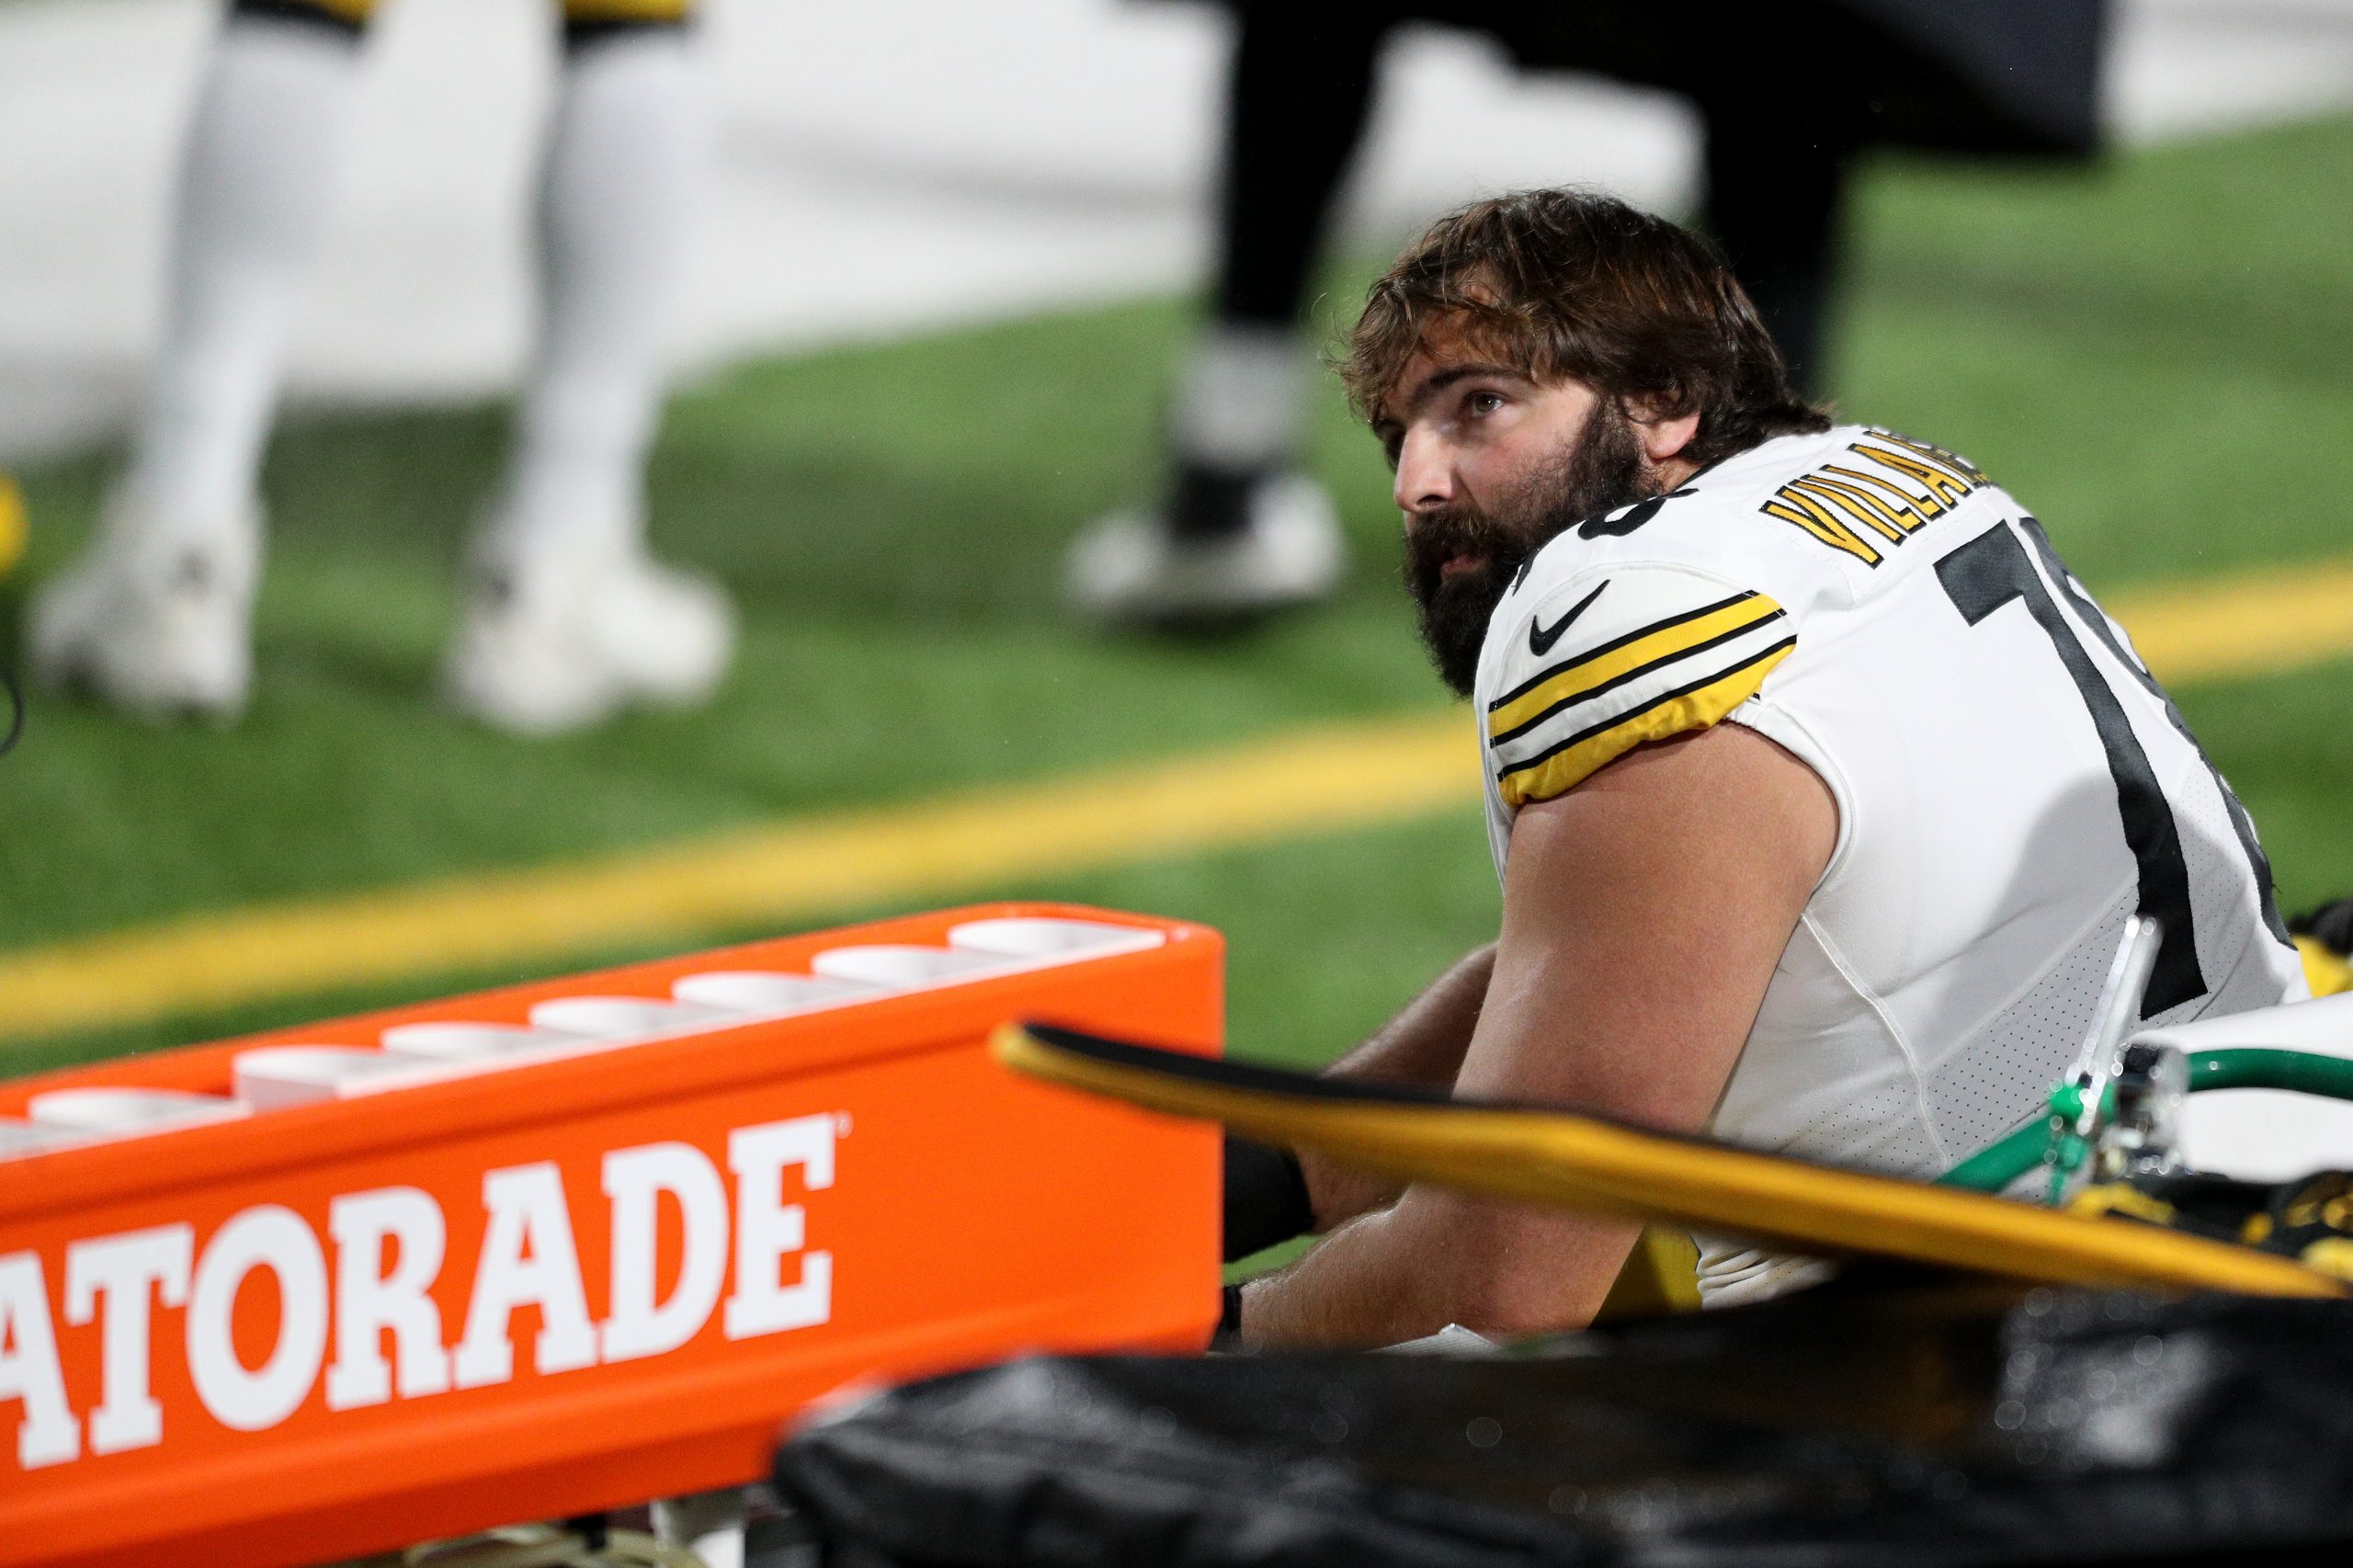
(2010, 785)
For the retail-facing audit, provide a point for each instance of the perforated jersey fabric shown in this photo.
(2010, 784)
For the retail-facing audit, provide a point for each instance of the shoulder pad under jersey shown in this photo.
(1577, 672)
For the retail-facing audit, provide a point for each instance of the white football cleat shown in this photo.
(162, 628)
(571, 643)
(1132, 568)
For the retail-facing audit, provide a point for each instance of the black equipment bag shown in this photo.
(1884, 1420)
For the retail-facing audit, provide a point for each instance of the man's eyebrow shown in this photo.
(1438, 380)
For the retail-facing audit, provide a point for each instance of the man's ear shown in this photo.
(1663, 437)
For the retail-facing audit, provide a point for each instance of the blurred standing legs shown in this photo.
(569, 619)
(1244, 531)
(1776, 178)
(157, 616)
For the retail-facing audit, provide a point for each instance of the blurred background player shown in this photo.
(566, 618)
(1787, 97)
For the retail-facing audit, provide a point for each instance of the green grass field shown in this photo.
(2152, 357)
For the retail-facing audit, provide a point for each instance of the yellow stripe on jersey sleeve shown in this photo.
(1610, 663)
(1560, 771)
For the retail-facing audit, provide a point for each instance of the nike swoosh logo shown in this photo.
(1540, 637)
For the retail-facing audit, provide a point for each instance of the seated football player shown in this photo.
(1819, 788)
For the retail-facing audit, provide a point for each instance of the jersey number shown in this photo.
(1993, 569)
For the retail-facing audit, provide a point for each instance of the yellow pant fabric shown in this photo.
(2324, 971)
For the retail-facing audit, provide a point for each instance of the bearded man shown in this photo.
(1819, 788)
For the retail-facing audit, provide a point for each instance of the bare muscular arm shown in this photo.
(1643, 913)
(1424, 1045)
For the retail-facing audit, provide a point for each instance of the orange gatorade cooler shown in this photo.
(564, 1247)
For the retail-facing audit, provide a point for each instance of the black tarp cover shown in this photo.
(1896, 1421)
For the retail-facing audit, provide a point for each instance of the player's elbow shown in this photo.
(1504, 1269)
(1508, 1308)
(1511, 1280)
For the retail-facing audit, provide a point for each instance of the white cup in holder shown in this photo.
(1040, 938)
(456, 1042)
(270, 1077)
(21, 1137)
(762, 990)
(129, 1111)
(897, 966)
(620, 1018)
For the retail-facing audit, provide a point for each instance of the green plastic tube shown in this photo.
(2003, 1161)
(2301, 1071)
(2018, 1151)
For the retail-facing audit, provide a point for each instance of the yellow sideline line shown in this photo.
(1316, 780)
(2259, 623)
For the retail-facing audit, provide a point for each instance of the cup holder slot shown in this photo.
(20, 1137)
(129, 1111)
(271, 1077)
(1038, 938)
(623, 1018)
(458, 1041)
(900, 966)
(763, 991)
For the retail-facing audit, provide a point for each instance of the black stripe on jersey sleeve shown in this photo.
(1663, 697)
(1588, 655)
(1614, 682)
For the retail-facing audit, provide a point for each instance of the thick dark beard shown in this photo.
(1602, 470)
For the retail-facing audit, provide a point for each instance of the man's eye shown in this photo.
(1479, 403)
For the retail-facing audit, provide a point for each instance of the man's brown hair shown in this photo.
(1565, 283)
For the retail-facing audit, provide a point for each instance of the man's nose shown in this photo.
(1424, 474)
